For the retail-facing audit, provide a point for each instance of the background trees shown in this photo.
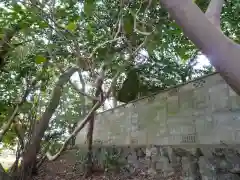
(44, 43)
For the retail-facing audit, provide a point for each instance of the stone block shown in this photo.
(219, 97)
(200, 98)
(234, 100)
(186, 99)
(172, 105)
(204, 124)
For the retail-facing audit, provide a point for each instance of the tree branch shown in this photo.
(9, 122)
(77, 89)
(31, 151)
(214, 10)
(5, 42)
(20, 134)
(207, 37)
(84, 122)
(81, 92)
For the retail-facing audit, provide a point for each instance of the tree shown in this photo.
(204, 31)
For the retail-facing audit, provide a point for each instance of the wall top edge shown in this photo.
(161, 91)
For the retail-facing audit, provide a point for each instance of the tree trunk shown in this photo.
(82, 110)
(114, 95)
(223, 53)
(98, 93)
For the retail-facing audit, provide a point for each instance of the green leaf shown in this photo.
(128, 24)
(1, 36)
(71, 26)
(17, 7)
(43, 25)
(89, 7)
(40, 59)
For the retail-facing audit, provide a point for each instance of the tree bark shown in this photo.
(98, 94)
(83, 122)
(6, 127)
(29, 156)
(222, 52)
(114, 95)
(5, 42)
(213, 12)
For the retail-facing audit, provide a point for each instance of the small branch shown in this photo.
(137, 30)
(6, 127)
(77, 89)
(214, 10)
(82, 93)
(135, 16)
(102, 44)
(5, 42)
(77, 129)
(141, 45)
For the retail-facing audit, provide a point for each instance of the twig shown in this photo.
(135, 17)
(102, 44)
(141, 45)
(77, 89)
(82, 93)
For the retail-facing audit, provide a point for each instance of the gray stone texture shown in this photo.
(179, 131)
(205, 111)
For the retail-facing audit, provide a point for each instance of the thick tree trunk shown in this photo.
(223, 53)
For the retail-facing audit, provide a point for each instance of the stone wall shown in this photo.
(147, 163)
(204, 111)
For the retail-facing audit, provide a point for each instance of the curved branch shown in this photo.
(84, 122)
(10, 121)
(222, 52)
(135, 17)
(31, 151)
(77, 129)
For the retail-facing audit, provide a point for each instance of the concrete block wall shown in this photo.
(204, 111)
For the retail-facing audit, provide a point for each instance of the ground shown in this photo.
(68, 167)
(145, 163)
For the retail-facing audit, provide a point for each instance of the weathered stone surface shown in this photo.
(201, 113)
(149, 162)
(204, 111)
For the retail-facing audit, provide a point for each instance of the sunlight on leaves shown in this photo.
(71, 26)
(40, 59)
